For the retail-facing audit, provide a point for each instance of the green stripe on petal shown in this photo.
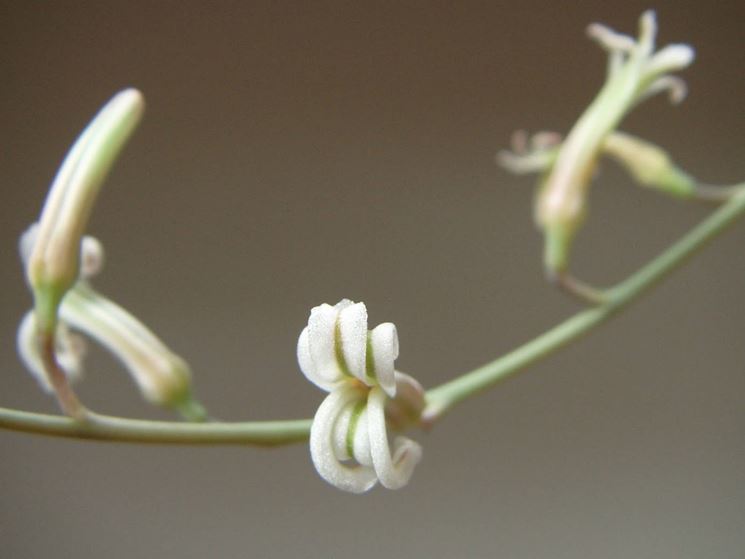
(356, 413)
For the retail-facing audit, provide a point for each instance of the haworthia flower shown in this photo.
(635, 72)
(349, 442)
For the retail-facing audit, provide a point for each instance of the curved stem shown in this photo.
(439, 399)
(442, 398)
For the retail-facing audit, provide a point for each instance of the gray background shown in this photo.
(297, 153)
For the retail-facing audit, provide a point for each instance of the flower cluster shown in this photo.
(348, 440)
(60, 261)
(635, 72)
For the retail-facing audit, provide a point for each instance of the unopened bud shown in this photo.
(53, 265)
(649, 164)
(163, 377)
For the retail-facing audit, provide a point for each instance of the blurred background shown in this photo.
(297, 153)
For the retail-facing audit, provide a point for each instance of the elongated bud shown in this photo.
(163, 377)
(53, 265)
(649, 164)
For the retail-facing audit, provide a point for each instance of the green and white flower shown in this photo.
(349, 440)
(163, 377)
(52, 266)
(635, 72)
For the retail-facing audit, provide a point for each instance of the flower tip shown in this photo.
(131, 99)
(648, 22)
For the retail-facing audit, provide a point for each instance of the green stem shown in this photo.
(119, 429)
(439, 399)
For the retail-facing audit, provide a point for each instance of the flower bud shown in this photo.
(648, 164)
(163, 377)
(53, 265)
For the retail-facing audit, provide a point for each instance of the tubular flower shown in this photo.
(635, 72)
(163, 377)
(348, 440)
(52, 266)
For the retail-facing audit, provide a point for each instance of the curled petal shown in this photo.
(382, 351)
(325, 438)
(523, 164)
(609, 39)
(308, 367)
(545, 139)
(670, 59)
(530, 155)
(393, 469)
(322, 367)
(350, 338)
(676, 89)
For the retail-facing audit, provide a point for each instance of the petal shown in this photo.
(647, 33)
(27, 241)
(352, 336)
(384, 346)
(676, 89)
(307, 365)
(609, 39)
(670, 59)
(361, 440)
(523, 164)
(91, 257)
(355, 479)
(393, 471)
(321, 336)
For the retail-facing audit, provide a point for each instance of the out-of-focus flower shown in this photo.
(635, 73)
(59, 261)
(649, 164)
(162, 376)
(52, 266)
(349, 437)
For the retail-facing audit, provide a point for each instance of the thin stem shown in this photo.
(442, 398)
(578, 289)
(119, 429)
(66, 398)
(439, 399)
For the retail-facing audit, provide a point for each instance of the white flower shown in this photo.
(348, 440)
(635, 73)
(163, 377)
(52, 266)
